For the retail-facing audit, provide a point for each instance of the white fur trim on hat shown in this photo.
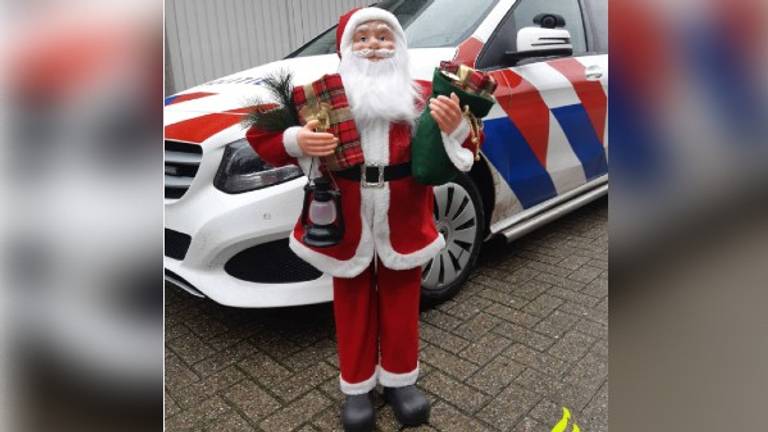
(365, 15)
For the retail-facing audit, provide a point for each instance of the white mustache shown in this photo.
(380, 53)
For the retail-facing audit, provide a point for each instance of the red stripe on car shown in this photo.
(468, 51)
(198, 129)
(526, 108)
(590, 93)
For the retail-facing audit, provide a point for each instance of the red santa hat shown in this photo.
(352, 19)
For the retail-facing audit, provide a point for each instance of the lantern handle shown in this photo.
(307, 188)
(333, 180)
(339, 208)
(337, 199)
(305, 205)
(311, 169)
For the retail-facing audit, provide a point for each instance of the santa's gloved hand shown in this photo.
(446, 112)
(316, 143)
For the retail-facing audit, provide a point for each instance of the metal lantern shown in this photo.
(321, 215)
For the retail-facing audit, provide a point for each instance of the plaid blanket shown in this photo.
(326, 101)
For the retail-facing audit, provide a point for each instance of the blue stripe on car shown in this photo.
(583, 139)
(513, 158)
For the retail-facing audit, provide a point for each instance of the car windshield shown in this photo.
(427, 24)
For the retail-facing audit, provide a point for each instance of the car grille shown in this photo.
(272, 262)
(176, 244)
(181, 163)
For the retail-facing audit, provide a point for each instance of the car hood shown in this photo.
(198, 113)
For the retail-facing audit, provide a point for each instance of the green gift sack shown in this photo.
(429, 162)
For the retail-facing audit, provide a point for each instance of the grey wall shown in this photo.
(207, 39)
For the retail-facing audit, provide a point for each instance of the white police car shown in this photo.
(228, 214)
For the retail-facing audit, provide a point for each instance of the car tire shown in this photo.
(460, 217)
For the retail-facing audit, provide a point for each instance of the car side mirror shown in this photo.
(544, 41)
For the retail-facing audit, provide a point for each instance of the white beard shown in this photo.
(380, 90)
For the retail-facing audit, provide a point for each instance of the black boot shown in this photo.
(358, 414)
(410, 405)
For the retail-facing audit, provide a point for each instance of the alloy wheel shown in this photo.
(456, 218)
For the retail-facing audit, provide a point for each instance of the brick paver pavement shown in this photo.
(527, 335)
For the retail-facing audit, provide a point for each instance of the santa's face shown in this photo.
(373, 40)
(375, 68)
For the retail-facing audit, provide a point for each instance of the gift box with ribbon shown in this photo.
(325, 100)
(468, 79)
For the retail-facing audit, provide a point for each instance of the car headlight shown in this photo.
(242, 170)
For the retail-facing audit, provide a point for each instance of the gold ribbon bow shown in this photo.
(475, 128)
(320, 112)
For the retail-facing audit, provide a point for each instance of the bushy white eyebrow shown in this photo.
(366, 27)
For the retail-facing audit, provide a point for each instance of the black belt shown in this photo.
(375, 176)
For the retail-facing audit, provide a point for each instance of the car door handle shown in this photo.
(594, 73)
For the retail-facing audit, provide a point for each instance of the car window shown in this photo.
(427, 24)
(445, 23)
(522, 14)
(597, 10)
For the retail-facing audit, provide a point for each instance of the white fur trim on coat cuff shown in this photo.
(462, 158)
(390, 379)
(361, 387)
(291, 142)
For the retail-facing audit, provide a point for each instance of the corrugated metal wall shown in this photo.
(207, 39)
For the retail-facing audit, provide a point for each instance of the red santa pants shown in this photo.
(377, 328)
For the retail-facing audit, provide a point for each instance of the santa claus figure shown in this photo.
(389, 226)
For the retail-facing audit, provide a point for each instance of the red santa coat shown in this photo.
(394, 222)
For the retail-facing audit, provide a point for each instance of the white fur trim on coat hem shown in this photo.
(380, 199)
(362, 387)
(460, 157)
(334, 267)
(397, 261)
(391, 379)
(291, 142)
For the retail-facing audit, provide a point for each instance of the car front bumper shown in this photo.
(222, 226)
